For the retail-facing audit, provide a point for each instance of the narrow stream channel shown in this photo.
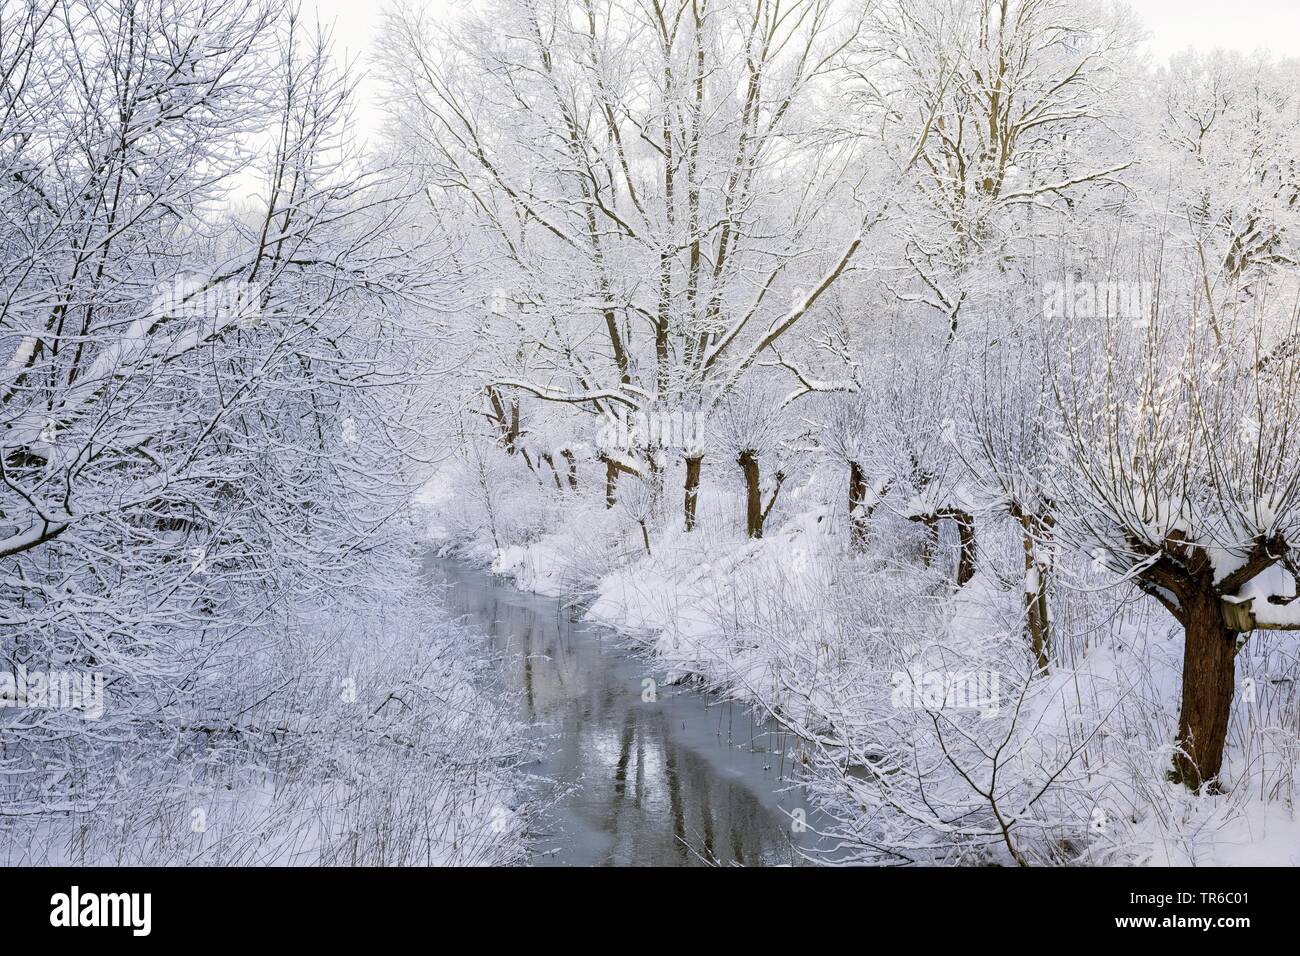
(681, 780)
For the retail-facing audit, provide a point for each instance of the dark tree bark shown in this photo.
(693, 465)
(967, 555)
(573, 467)
(755, 511)
(1035, 528)
(753, 495)
(858, 512)
(506, 417)
(1209, 682)
(550, 460)
(969, 551)
(1036, 608)
(611, 481)
(1182, 578)
(612, 469)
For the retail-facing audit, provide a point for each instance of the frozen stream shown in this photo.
(676, 781)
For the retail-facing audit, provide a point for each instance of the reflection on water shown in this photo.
(681, 780)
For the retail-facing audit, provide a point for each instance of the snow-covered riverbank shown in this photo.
(362, 737)
(867, 656)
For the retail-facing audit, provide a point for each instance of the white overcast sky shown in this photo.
(1245, 25)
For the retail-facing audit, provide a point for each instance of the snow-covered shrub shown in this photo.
(369, 737)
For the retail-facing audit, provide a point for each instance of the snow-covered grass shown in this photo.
(371, 739)
(1067, 768)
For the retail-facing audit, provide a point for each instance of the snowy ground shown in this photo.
(1064, 769)
(371, 740)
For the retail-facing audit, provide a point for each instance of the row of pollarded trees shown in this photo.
(1162, 452)
(1145, 420)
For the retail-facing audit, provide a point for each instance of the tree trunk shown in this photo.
(507, 420)
(1043, 630)
(692, 488)
(611, 481)
(1036, 620)
(857, 507)
(573, 468)
(512, 433)
(966, 557)
(753, 494)
(550, 460)
(1209, 679)
(930, 545)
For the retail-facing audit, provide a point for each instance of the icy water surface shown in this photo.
(682, 780)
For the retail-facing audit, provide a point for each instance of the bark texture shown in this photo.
(693, 466)
(1209, 682)
(858, 511)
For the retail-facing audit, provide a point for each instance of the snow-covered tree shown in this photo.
(652, 185)
(210, 382)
